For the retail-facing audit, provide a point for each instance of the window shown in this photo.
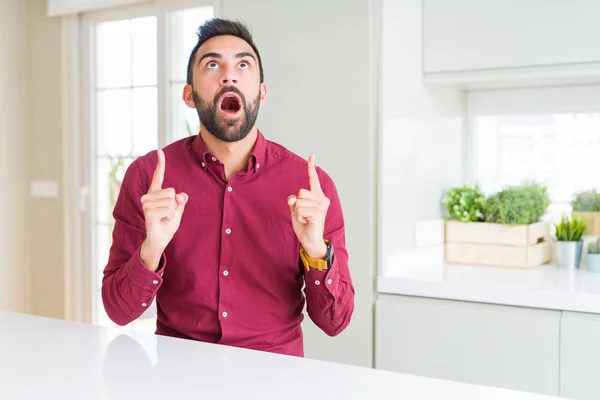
(552, 139)
(136, 70)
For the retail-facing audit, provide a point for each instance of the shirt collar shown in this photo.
(255, 163)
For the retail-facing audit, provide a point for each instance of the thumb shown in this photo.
(181, 199)
(291, 202)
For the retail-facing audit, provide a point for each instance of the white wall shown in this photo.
(46, 244)
(319, 71)
(31, 232)
(15, 277)
(423, 131)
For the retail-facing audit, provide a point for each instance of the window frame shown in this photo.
(523, 101)
(82, 296)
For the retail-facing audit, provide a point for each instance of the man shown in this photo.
(226, 227)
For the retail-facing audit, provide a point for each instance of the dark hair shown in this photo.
(219, 27)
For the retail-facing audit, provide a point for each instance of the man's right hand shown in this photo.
(163, 209)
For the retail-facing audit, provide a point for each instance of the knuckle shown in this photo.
(169, 192)
(303, 193)
(151, 197)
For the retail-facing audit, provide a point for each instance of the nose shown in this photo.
(228, 79)
(229, 73)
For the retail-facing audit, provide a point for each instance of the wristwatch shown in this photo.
(320, 264)
(329, 255)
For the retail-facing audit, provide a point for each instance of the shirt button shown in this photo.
(257, 165)
(155, 282)
(225, 272)
(317, 283)
(329, 281)
(224, 314)
(203, 164)
(229, 189)
(144, 304)
(214, 159)
(228, 231)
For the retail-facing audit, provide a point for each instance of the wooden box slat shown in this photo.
(482, 243)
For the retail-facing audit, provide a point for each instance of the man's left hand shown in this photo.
(309, 209)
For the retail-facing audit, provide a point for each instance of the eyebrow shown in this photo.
(245, 54)
(220, 56)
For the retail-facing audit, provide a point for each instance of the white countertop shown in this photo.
(423, 273)
(52, 359)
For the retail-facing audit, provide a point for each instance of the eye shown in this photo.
(212, 65)
(244, 65)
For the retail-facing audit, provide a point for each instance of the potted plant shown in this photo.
(586, 204)
(569, 242)
(504, 229)
(592, 258)
(518, 205)
(465, 203)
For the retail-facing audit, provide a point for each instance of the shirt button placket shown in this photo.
(225, 286)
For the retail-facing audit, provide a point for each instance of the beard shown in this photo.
(227, 129)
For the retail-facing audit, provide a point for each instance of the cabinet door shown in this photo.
(467, 35)
(580, 356)
(509, 347)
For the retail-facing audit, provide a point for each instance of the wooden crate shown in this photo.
(592, 221)
(482, 243)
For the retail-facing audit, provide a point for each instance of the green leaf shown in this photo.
(587, 200)
(570, 230)
(465, 203)
(518, 205)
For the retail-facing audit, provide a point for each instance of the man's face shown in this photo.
(226, 89)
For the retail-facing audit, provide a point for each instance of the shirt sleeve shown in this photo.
(330, 293)
(128, 287)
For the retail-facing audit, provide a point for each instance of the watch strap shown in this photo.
(320, 264)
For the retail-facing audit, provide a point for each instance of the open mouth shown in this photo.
(231, 103)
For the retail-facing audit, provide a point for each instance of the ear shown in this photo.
(188, 96)
(263, 94)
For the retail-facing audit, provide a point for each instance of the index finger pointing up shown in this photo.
(313, 177)
(159, 173)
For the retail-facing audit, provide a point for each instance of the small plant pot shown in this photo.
(592, 261)
(568, 254)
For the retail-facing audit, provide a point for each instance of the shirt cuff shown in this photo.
(323, 280)
(142, 276)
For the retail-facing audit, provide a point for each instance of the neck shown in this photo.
(233, 155)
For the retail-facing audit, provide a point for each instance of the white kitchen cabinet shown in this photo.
(534, 37)
(580, 356)
(502, 346)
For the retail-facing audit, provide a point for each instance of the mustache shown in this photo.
(230, 89)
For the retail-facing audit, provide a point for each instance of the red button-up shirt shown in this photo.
(232, 273)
